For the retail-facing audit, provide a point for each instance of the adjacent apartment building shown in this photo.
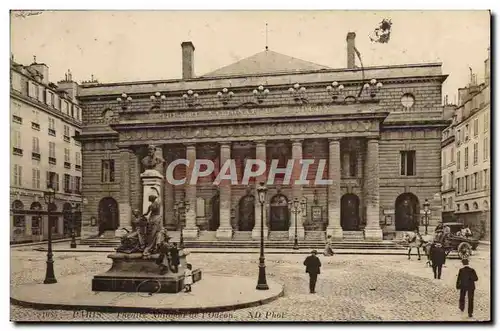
(44, 119)
(466, 175)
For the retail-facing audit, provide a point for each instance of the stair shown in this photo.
(242, 235)
(318, 236)
(278, 236)
(206, 236)
(353, 236)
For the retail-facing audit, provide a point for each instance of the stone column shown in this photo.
(191, 229)
(125, 210)
(168, 201)
(372, 229)
(225, 230)
(296, 190)
(334, 174)
(260, 154)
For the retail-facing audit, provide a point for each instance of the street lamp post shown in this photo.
(75, 209)
(262, 282)
(294, 208)
(178, 206)
(426, 214)
(50, 278)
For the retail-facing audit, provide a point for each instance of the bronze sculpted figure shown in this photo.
(155, 232)
(134, 241)
(152, 161)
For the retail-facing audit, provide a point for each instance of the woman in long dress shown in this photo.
(154, 226)
(328, 246)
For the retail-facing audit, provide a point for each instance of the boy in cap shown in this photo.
(466, 280)
(313, 265)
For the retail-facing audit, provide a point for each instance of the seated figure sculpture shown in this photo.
(134, 241)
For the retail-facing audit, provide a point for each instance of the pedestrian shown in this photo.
(313, 265)
(466, 283)
(328, 246)
(188, 278)
(438, 257)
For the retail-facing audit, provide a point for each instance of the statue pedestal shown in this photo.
(135, 273)
(152, 184)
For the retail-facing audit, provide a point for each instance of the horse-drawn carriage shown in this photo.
(457, 239)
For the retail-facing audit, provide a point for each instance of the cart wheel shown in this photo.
(464, 250)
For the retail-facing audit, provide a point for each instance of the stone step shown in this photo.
(315, 236)
(278, 236)
(206, 235)
(242, 235)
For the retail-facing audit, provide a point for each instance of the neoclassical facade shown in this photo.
(378, 129)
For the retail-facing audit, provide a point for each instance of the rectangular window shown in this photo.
(36, 116)
(66, 155)
(475, 153)
(16, 139)
(486, 178)
(458, 160)
(78, 184)
(452, 154)
(476, 127)
(52, 149)
(78, 158)
(466, 158)
(480, 180)
(67, 184)
(66, 136)
(486, 121)
(466, 132)
(53, 180)
(352, 164)
(18, 175)
(36, 178)
(52, 126)
(458, 185)
(474, 181)
(16, 81)
(108, 171)
(458, 138)
(485, 149)
(36, 145)
(467, 183)
(452, 178)
(408, 163)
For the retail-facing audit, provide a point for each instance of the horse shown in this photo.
(416, 240)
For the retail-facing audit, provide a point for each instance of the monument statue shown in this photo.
(153, 161)
(134, 241)
(155, 232)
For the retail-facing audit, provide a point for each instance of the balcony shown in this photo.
(17, 151)
(66, 138)
(52, 132)
(17, 119)
(67, 165)
(78, 167)
(35, 156)
(35, 126)
(52, 160)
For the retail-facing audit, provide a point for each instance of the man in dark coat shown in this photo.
(438, 257)
(466, 280)
(313, 265)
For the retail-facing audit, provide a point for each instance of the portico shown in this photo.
(347, 142)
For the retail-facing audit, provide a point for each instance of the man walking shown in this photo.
(466, 283)
(313, 265)
(438, 257)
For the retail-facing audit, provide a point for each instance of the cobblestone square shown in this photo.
(350, 288)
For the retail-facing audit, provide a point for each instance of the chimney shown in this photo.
(351, 63)
(187, 60)
(69, 86)
(43, 70)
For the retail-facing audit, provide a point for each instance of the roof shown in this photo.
(264, 63)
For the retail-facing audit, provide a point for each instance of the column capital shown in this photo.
(190, 145)
(225, 144)
(333, 139)
(260, 142)
(297, 141)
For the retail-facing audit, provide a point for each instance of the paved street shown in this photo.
(350, 287)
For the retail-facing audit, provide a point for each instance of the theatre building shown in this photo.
(377, 128)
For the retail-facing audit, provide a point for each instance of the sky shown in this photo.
(117, 46)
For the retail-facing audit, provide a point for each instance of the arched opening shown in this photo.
(67, 219)
(475, 205)
(407, 212)
(214, 222)
(466, 207)
(246, 213)
(485, 205)
(280, 215)
(108, 215)
(19, 220)
(36, 220)
(349, 212)
(53, 218)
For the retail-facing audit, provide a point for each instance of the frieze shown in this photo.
(246, 130)
(244, 113)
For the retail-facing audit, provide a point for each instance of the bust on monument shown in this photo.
(153, 161)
